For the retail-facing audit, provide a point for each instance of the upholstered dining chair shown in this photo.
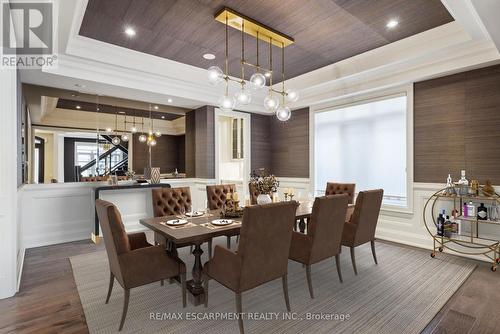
(333, 188)
(216, 199)
(254, 193)
(168, 202)
(132, 260)
(324, 235)
(361, 227)
(262, 254)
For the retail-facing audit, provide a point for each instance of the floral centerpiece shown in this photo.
(265, 184)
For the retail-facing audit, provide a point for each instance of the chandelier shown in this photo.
(276, 100)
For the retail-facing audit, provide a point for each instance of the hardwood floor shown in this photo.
(48, 300)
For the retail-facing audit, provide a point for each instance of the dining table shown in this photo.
(200, 229)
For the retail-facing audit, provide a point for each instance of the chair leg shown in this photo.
(125, 308)
(111, 281)
(228, 242)
(205, 289)
(210, 249)
(285, 291)
(183, 288)
(309, 282)
(337, 262)
(239, 310)
(373, 251)
(353, 259)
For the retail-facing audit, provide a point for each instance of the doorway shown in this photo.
(39, 160)
(232, 149)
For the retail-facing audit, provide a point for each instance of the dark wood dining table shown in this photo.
(199, 230)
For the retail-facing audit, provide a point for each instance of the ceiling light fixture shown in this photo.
(162, 117)
(156, 107)
(78, 107)
(170, 100)
(209, 56)
(392, 23)
(259, 78)
(129, 31)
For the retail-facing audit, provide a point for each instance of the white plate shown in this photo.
(175, 222)
(194, 214)
(222, 222)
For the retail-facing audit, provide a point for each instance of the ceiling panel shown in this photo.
(326, 31)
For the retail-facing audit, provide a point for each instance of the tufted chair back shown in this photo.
(341, 188)
(254, 193)
(168, 201)
(216, 195)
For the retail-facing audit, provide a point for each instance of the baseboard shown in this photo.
(20, 265)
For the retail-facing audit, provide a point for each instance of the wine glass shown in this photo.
(183, 211)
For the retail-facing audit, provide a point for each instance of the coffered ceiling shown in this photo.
(325, 31)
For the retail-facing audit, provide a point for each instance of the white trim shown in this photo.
(404, 90)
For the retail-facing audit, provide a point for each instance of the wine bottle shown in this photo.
(482, 212)
(447, 228)
(440, 225)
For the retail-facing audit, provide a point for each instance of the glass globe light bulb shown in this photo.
(258, 80)
(283, 113)
(115, 140)
(215, 75)
(133, 129)
(124, 137)
(292, 95)
(143, 138)
(109, 130)
(271, 103)
(157, 134)
(243, 97)
(152, 142)
(226, 103)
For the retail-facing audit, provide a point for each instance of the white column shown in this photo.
(8, 183)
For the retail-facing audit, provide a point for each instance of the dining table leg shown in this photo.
(195, 286)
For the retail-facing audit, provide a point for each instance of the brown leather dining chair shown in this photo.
(254, 193)
(262, 255)
(324, 235)
(361, 228)
(333, 188)
(132, 260)
(216, 199)
(168, 202)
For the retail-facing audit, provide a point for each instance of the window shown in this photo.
(86, 152)
(364, 144)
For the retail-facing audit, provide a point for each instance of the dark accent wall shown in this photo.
(282, 147)
(200, 143)
(261, 142)
(457, 122)
(166, 154)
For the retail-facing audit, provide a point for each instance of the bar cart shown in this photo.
(471, 242)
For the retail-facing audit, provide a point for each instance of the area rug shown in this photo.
(399, 295)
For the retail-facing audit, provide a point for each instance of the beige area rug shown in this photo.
(399, 295)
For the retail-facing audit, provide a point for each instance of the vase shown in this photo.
(264, 199)
(155, 175)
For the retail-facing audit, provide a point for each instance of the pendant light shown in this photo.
(116, 140)
(125, 137)
(227, 102)
(283, 113)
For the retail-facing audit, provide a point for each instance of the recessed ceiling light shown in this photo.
(163, 117)
(156, 107)
(78, 107)
(392, 23)
(130, 31)
(121, 112)
(170, 100)
(209, 56)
